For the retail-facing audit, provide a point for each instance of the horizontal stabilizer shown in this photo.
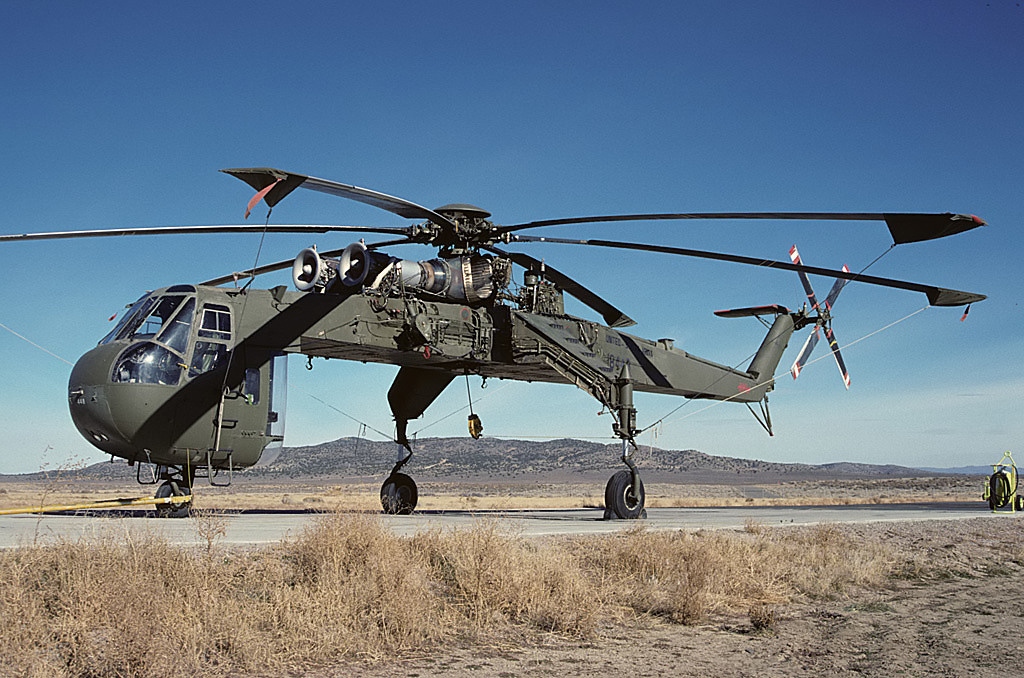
(773, 309)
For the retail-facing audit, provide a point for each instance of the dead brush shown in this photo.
(94, 610)
(132, 605)
(211, 525)
(491, 576)
(357, 589)
(823, 562)
(680, 576)
(685, 577)
(762, 618)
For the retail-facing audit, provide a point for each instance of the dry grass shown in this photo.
(348, 588)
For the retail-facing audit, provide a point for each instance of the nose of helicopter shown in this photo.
(89, 403)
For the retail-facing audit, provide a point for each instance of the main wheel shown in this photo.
(173, 510)
(398, 494)
(620, 497)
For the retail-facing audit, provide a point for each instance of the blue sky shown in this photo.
(120, 114)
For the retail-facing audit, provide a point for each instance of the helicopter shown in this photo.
(191, 381)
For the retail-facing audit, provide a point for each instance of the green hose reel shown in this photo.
(1001, 491)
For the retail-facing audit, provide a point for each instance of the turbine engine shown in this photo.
(469, 278)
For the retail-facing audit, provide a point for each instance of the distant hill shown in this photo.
(519, 460)
(963, 470)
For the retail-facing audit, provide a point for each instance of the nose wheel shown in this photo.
(175, 509)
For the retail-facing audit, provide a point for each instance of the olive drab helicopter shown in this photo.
(190, 382)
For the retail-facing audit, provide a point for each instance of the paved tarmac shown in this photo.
(254, 528)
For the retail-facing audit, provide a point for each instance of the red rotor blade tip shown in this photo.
(259, 196)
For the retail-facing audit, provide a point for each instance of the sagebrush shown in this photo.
(347, 588)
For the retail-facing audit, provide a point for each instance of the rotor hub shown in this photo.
(471, 229)
(463, 211)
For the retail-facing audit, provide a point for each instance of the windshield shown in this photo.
(133, 310)
(148, 363)
(155, 319)
(146, 318)
(175, 333)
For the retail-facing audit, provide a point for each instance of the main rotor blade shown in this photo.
(613, 316)
(261, 177)
(937, 296)
(904, 227)
(251, 273)
(185, 230)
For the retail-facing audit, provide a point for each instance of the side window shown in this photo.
(206, 356)
(216, 322)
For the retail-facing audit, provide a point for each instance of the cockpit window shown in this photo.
(148, 363)
(161, 313)
(216, 322)
(175, 333)
(125, 319)
(134, 319)
(207, 356)
(146, 318)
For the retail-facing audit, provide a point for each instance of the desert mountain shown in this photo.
(565, 459)
(494, 459)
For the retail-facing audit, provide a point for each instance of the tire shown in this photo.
(620, 499)
(173, 510)
(398, 495)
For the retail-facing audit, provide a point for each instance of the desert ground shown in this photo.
(332, 494)
(936, 598)
(962, 614)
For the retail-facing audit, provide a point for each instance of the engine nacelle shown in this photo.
(467, 278)
(309, 270)
(361, 266)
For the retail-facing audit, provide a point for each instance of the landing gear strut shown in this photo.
(411, 393)
(624, 494)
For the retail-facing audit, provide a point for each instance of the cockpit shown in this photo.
(169, 384)
(159, 327)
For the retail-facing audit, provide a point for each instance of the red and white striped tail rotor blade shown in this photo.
(834, 346)
(804, 354)
(794, 256)
(840, 283)
(823, 320)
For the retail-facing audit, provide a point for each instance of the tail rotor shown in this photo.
(822, 322)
